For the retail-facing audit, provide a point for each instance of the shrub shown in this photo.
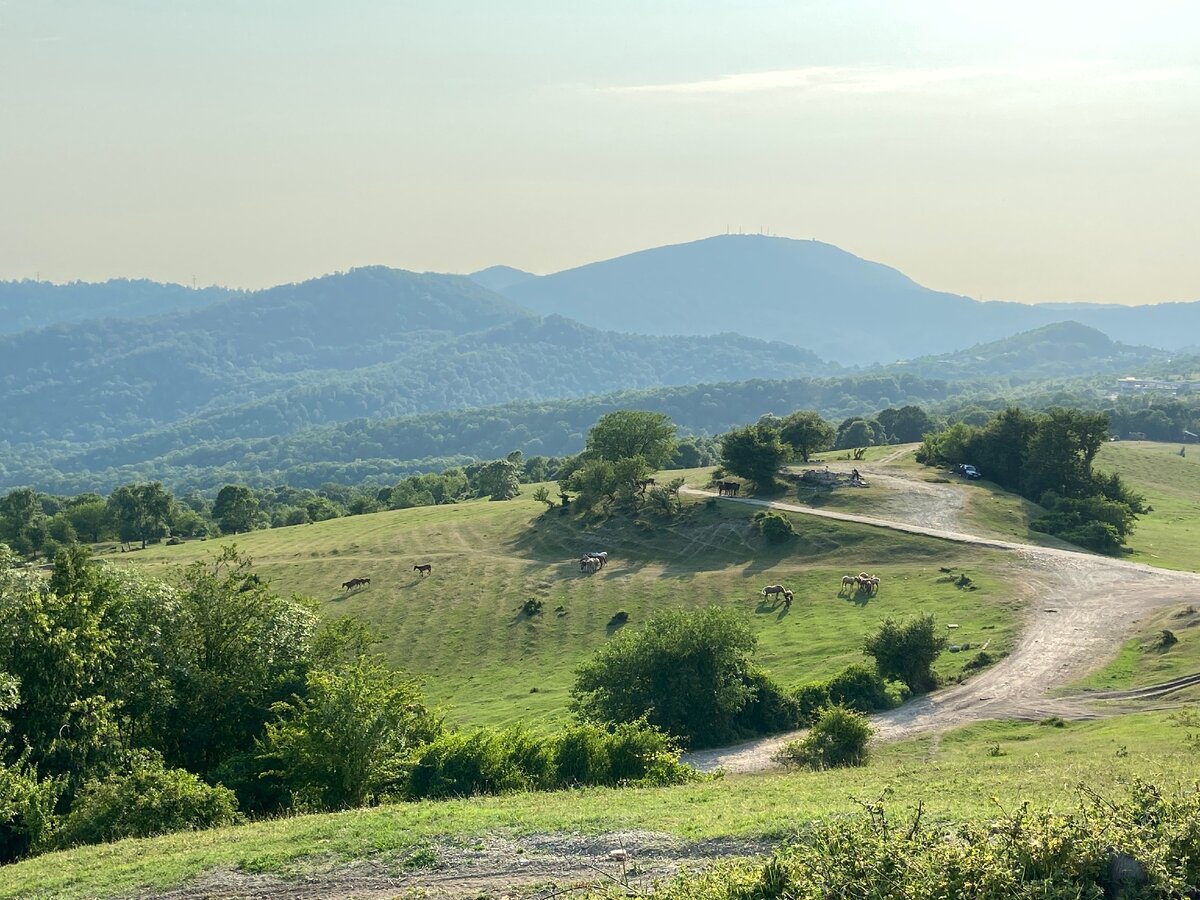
(906, 652)
(146, 799)
(837, 738)
(859, 688)
(775, 528)
(460, 764)
(770, 710)
(810, 699)
(682, 672)
(27, 819)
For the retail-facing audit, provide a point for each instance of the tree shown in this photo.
(806, 432)
(346, 741)
(241, 648)
(907, 651)
(838, 737)
(22, 524)
(89, 516)
(140, 511)
(629, 433)
(858, 432)
(685, 672)
(499, 480)
(754, 452)
(235, 509)
(905, 425)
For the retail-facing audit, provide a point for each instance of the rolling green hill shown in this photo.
(488, 558)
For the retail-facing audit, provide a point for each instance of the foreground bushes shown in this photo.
(1145, 846)
(838, 737)
(497, 762)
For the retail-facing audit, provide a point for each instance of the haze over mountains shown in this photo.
(814, 295)
(113, 375)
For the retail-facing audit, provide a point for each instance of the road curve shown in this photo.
(1080, 608)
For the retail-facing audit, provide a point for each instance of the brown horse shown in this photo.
(426, 569)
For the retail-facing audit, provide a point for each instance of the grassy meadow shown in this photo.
(1169, 536)
(972, 772)
(488, 663)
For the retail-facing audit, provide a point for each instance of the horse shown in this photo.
(848, 581)
(425, 569)
(643, 483)
(773, 589)
(352, 583)
(602, 556)
(728, 488)
(589, 564)
(788, 596)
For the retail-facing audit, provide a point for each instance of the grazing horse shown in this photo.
(589, 564)
(772, 590)
(602, 556)
(788, 597)
(425, 569)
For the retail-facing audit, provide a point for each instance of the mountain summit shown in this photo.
(813, 295)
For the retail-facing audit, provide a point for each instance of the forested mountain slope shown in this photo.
(1062, 349)
(817, 296)
(36, 304)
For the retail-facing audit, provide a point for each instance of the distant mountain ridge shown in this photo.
(817, 296)
(1061, 349)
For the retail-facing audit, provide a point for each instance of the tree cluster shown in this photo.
(1047, 457)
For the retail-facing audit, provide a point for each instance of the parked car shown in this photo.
(969, 472)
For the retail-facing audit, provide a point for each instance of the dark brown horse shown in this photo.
(426, 569)
(355, 582)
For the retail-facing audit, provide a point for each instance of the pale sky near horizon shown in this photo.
(1022, 151)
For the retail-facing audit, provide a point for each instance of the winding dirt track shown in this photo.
(1080, 608)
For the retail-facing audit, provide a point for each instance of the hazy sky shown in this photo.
(1017, 150)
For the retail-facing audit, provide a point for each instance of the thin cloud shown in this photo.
(868, 80)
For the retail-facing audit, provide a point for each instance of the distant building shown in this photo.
(1133, 385)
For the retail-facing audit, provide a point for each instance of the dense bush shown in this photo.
(461, 764)
(1147, 845)
(27, 804)
(775, 527)
(859, 688)
(770, 709)
(837, 738)
(906, 652)
(146, 799)
(684, 672)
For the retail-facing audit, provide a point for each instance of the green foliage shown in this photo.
(629, 433)
(235, 509)
(838, 737)
(859, 688)
(140, 511)
(497, 480)
(344, 742)
(1146, 845)
(1092, 522)
(775, 527)
(806, 433)
(906, 651)
(145, 799)
(755, 452)
(241, 649)
(684, 672)
(460, 764)
(27, 808)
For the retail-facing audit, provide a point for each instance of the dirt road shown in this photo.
(1080, 609)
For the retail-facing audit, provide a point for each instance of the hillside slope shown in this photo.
(814, 295)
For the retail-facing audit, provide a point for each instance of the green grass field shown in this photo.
(968, 773)
(1170, 535)
(1144, 660)
(487, 663)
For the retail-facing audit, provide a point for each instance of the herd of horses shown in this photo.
(863, 583)
(728, 488)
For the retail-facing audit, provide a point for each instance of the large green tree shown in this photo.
(755, 452)
(806, 433)
(235, 509)
(629, 433)
(140, 511)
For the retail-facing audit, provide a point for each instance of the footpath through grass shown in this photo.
(964, 774)
(489, 663)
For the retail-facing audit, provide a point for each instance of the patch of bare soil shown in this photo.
(537, 866)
